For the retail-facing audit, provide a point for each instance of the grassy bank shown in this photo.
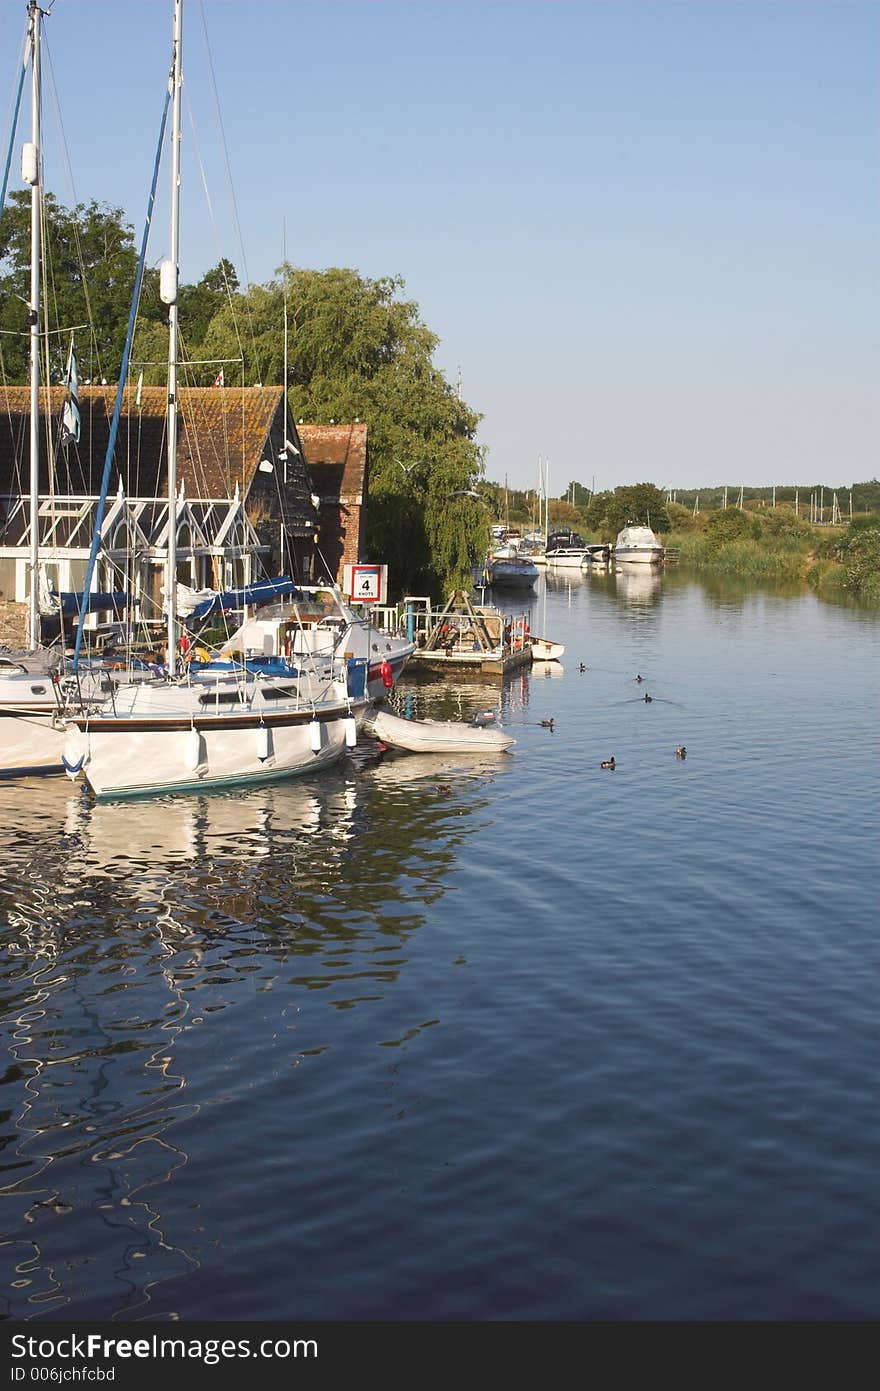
(836, 562)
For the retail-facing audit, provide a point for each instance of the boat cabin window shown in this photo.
(38, 690)
(220, 698)
(280, 693)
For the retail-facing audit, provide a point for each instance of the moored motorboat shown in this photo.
(511, 572)
(436, 736)
(314, 621)
(569, 551)
(638, 544)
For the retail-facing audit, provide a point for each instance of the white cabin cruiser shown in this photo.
(316, 622)
(638, 543)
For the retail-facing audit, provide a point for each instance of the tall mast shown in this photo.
(284, 445)
(32, 174)
(170, 281)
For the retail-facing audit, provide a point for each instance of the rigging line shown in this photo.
(234, 201)
(74, 220)
(16, 443)
(217, 243)
(51, 332)
(123, 372)
(190, 362)
(23, 63)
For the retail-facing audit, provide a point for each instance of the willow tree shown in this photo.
(358, 351)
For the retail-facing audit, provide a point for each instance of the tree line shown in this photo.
(607, 511)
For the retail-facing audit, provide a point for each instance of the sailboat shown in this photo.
(31, 737)
(204, 729)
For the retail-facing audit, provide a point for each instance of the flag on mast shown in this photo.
(70, 413)
(218, 380)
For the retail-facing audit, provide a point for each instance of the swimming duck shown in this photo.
(648, 698)
(681, 751)
(444, 789)
(546, 724)
(582, 667)
(640, 678)
(608, 763)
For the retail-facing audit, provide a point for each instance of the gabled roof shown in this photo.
(222, 431)
(336, 456)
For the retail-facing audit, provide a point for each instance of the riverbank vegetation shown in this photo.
(757, 540)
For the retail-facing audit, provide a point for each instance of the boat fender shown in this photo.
(316, 733)
(387, 675)
(264, 743)
(192, 756)
(350, 732)
(73, 754)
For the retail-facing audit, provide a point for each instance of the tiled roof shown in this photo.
(222, 434)
(336, 456)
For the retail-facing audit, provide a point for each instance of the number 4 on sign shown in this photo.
(366, 584)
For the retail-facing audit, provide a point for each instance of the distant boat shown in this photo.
(638, 543)
(543, 650)
(568, 550)
(507, 568)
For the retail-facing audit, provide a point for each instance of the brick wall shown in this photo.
(13, 624)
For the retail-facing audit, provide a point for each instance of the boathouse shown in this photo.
(245, 496)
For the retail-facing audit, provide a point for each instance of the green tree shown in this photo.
(199, 303)
(357, 350)
(730, 524)
(641, 503)
(90, 264)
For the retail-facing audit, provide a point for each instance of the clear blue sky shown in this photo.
(646, 230)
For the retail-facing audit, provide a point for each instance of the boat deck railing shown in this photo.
(413, 616)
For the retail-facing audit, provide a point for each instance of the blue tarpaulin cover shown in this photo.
(263, 592)
(69, 604)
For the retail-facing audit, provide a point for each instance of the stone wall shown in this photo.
(13, 624)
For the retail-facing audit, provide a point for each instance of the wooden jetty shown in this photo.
(468, 637)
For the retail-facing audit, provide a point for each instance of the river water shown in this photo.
(424, 1039)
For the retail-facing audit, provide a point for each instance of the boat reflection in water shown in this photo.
(637, 583)
(547, 671)
(169, 968)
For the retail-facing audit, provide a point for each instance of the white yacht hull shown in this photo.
(648, 555)
(30, 742)
(398, 654)
(121, 759)
(209, 734)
